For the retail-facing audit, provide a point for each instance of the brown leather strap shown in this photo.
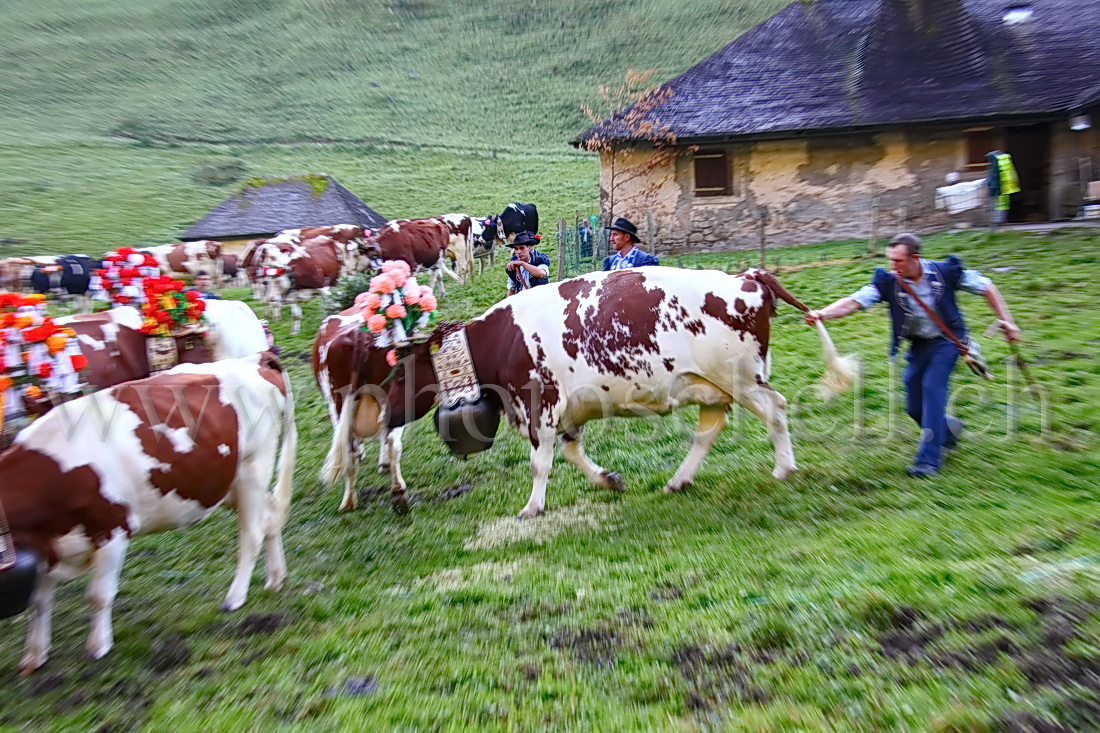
(7, 547)
(932, 314)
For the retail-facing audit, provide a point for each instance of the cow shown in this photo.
(515, 218)
(189, 258)
(70, 276)
(634, 342)
(232, 273)
(345, 360)
(349, 238)
(116, 349)
(482, 248)
(460, 247)
(147, 456)
(420, 243)
(294, 273)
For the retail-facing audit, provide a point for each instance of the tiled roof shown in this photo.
(269, 205)
(839, 64)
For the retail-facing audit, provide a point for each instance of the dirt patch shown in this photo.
(716, 677)
(543, 610)
(1045, 656)
(595, 646)
(509, 530)
(168, 654)
(46, 682)
(485, 573)
(454, 492)
(666, 592)
(263, 623)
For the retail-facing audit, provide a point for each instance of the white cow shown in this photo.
(146, 456)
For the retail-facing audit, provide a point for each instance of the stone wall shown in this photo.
(810, 190)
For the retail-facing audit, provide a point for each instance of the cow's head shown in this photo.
(490, 231)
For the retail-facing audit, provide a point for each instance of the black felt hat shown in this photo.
(625, 225)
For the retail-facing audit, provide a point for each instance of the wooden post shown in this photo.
(872, 246)
(563, 229)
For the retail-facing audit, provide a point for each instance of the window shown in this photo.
(712, 173)
(980, 141)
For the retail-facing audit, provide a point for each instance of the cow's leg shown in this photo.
(296, 314)
(542, 456)
(351, 473)
(771, 407)
(101, 593)
(251, 496)
(391, 446)
(38, 640)
(712, 418)
(383, 452)
(573, 450)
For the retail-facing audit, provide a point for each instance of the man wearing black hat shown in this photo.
(624, 235)
(528, 268)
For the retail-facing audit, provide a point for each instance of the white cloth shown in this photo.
(961, 197)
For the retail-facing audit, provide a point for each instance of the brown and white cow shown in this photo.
(116, 349)
(634, 342)
(420, 243)
(294, 273)
(460, 247)
(147, 456)
(346, 361)
(349, 238)
(188, 258)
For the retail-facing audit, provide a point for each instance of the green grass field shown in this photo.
(849, 597)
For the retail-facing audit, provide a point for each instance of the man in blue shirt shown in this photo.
(624, 235)
(528, 268)
(931, 354)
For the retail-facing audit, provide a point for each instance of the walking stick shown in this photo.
(1032, 384)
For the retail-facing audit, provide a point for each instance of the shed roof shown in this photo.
(269, 205)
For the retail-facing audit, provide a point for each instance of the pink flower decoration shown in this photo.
(377, 323)
(396, 311)
(412, 296)
(427, 302)
(370, 302)
(382, 284)
(412, 284)
(361, 299)
(391, 266)
(391, 357)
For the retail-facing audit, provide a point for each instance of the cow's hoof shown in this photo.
(674, 488)
(614, 481)
(384, 468)
(400, 505)
(528, 513)
(348, 507)
(230, 606)
(783, 472)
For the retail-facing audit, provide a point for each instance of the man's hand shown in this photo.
(1012, 331)
(812, 317)
(512, 265)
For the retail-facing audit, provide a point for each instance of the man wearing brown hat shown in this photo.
(932, 353)
(624, 235)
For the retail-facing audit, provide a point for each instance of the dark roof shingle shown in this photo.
(840, 64)
(268, 205)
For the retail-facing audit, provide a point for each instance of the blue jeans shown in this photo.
(927, 371)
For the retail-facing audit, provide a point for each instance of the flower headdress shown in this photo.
(395, 307)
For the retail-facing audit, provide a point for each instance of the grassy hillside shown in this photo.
(489, 74)
(847, 598)
(115, 113)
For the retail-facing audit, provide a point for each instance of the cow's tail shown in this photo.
(840, 371)
(284, 486)
(339, 452)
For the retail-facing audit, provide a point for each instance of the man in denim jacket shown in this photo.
(931, 354)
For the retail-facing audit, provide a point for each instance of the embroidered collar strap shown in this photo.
(454, 369)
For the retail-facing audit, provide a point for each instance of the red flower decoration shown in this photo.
(79, 361)
(45, 369)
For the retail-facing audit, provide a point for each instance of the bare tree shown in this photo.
(627, 127)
